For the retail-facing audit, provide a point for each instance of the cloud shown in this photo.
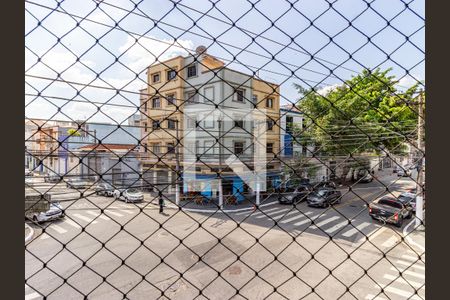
(137, 57)
(325, 90)
(409, 80)
(143, 53)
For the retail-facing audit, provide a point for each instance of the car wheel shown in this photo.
(399, 222)
(35, 219)
(409, 216)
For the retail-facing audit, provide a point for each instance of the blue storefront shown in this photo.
(231, 185)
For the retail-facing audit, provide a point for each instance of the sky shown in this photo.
(99, 47)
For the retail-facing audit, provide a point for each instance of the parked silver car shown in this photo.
(129, 195)
(104, 189)
(55, 212)
(78, 183)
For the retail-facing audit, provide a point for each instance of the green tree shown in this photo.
(73, 132)
(364, 114)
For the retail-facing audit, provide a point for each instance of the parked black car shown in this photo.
(324, 197)
(390, 210)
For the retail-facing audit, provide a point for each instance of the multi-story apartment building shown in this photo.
(291, 119)
(210, 109)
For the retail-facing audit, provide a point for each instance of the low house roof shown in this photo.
(108, 147)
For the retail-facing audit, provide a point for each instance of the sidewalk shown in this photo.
(190, 205)
(29, 232)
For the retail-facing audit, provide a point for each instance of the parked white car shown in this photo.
(55, 212)
(404, 172)
(28, 172)
(129, 195)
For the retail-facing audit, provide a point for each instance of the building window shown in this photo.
(208, 94)
(170, 148)
(192, 97)
(156, 77)
(269, 102)
(238, 147)
(156, 148)
(156, 102)
(208, 122)
(145, 148)
(270, 124)
(239, 95)
(171, 124)
(145, 106)
(192, 71)
(145, 127)
(255, 99)
(209, 148)
(171, 74)
(155, 125)
(289, 124)
(239, 123)
(269, 148)
(190, 122)
(171, 99)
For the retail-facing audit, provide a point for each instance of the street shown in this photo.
(131, 249)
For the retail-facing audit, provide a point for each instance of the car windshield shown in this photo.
(390, 202)
(404, 199)
(320, 193)
(133, 191)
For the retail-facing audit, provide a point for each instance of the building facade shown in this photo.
(211, 110)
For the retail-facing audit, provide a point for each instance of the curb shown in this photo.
(30, 235)
(216, 210)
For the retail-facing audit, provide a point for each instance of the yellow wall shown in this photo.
(263, 90)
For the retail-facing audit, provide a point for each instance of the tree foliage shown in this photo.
(73, 132)
(365, 114)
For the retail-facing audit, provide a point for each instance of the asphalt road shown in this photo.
(141, 252)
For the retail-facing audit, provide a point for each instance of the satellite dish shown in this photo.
(200, 50)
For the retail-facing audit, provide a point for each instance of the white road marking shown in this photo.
(303, 222)
(408, 237)
(284, 215)
(371, 297)
(44, 236)
(410, 273)
(31, 296)
(255, 213)
(72, 223)
(402, 280)
(337, 227)
(272, 213)
(324, 222)
(58, 229)
(352, 231)
(101, 216)
(410, 264)
(390, 242)
(300, 215)
(411, 258)
(114, 213)
(81, 217)
(399, 292)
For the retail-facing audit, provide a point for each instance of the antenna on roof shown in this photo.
(200, 50)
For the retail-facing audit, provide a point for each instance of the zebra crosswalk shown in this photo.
(328, 221)
(85, 217)
(402, 286)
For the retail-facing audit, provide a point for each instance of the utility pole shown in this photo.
(220, 121)
(177, 167)
(420, 175)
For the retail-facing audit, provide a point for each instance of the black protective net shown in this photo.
(224, 149)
